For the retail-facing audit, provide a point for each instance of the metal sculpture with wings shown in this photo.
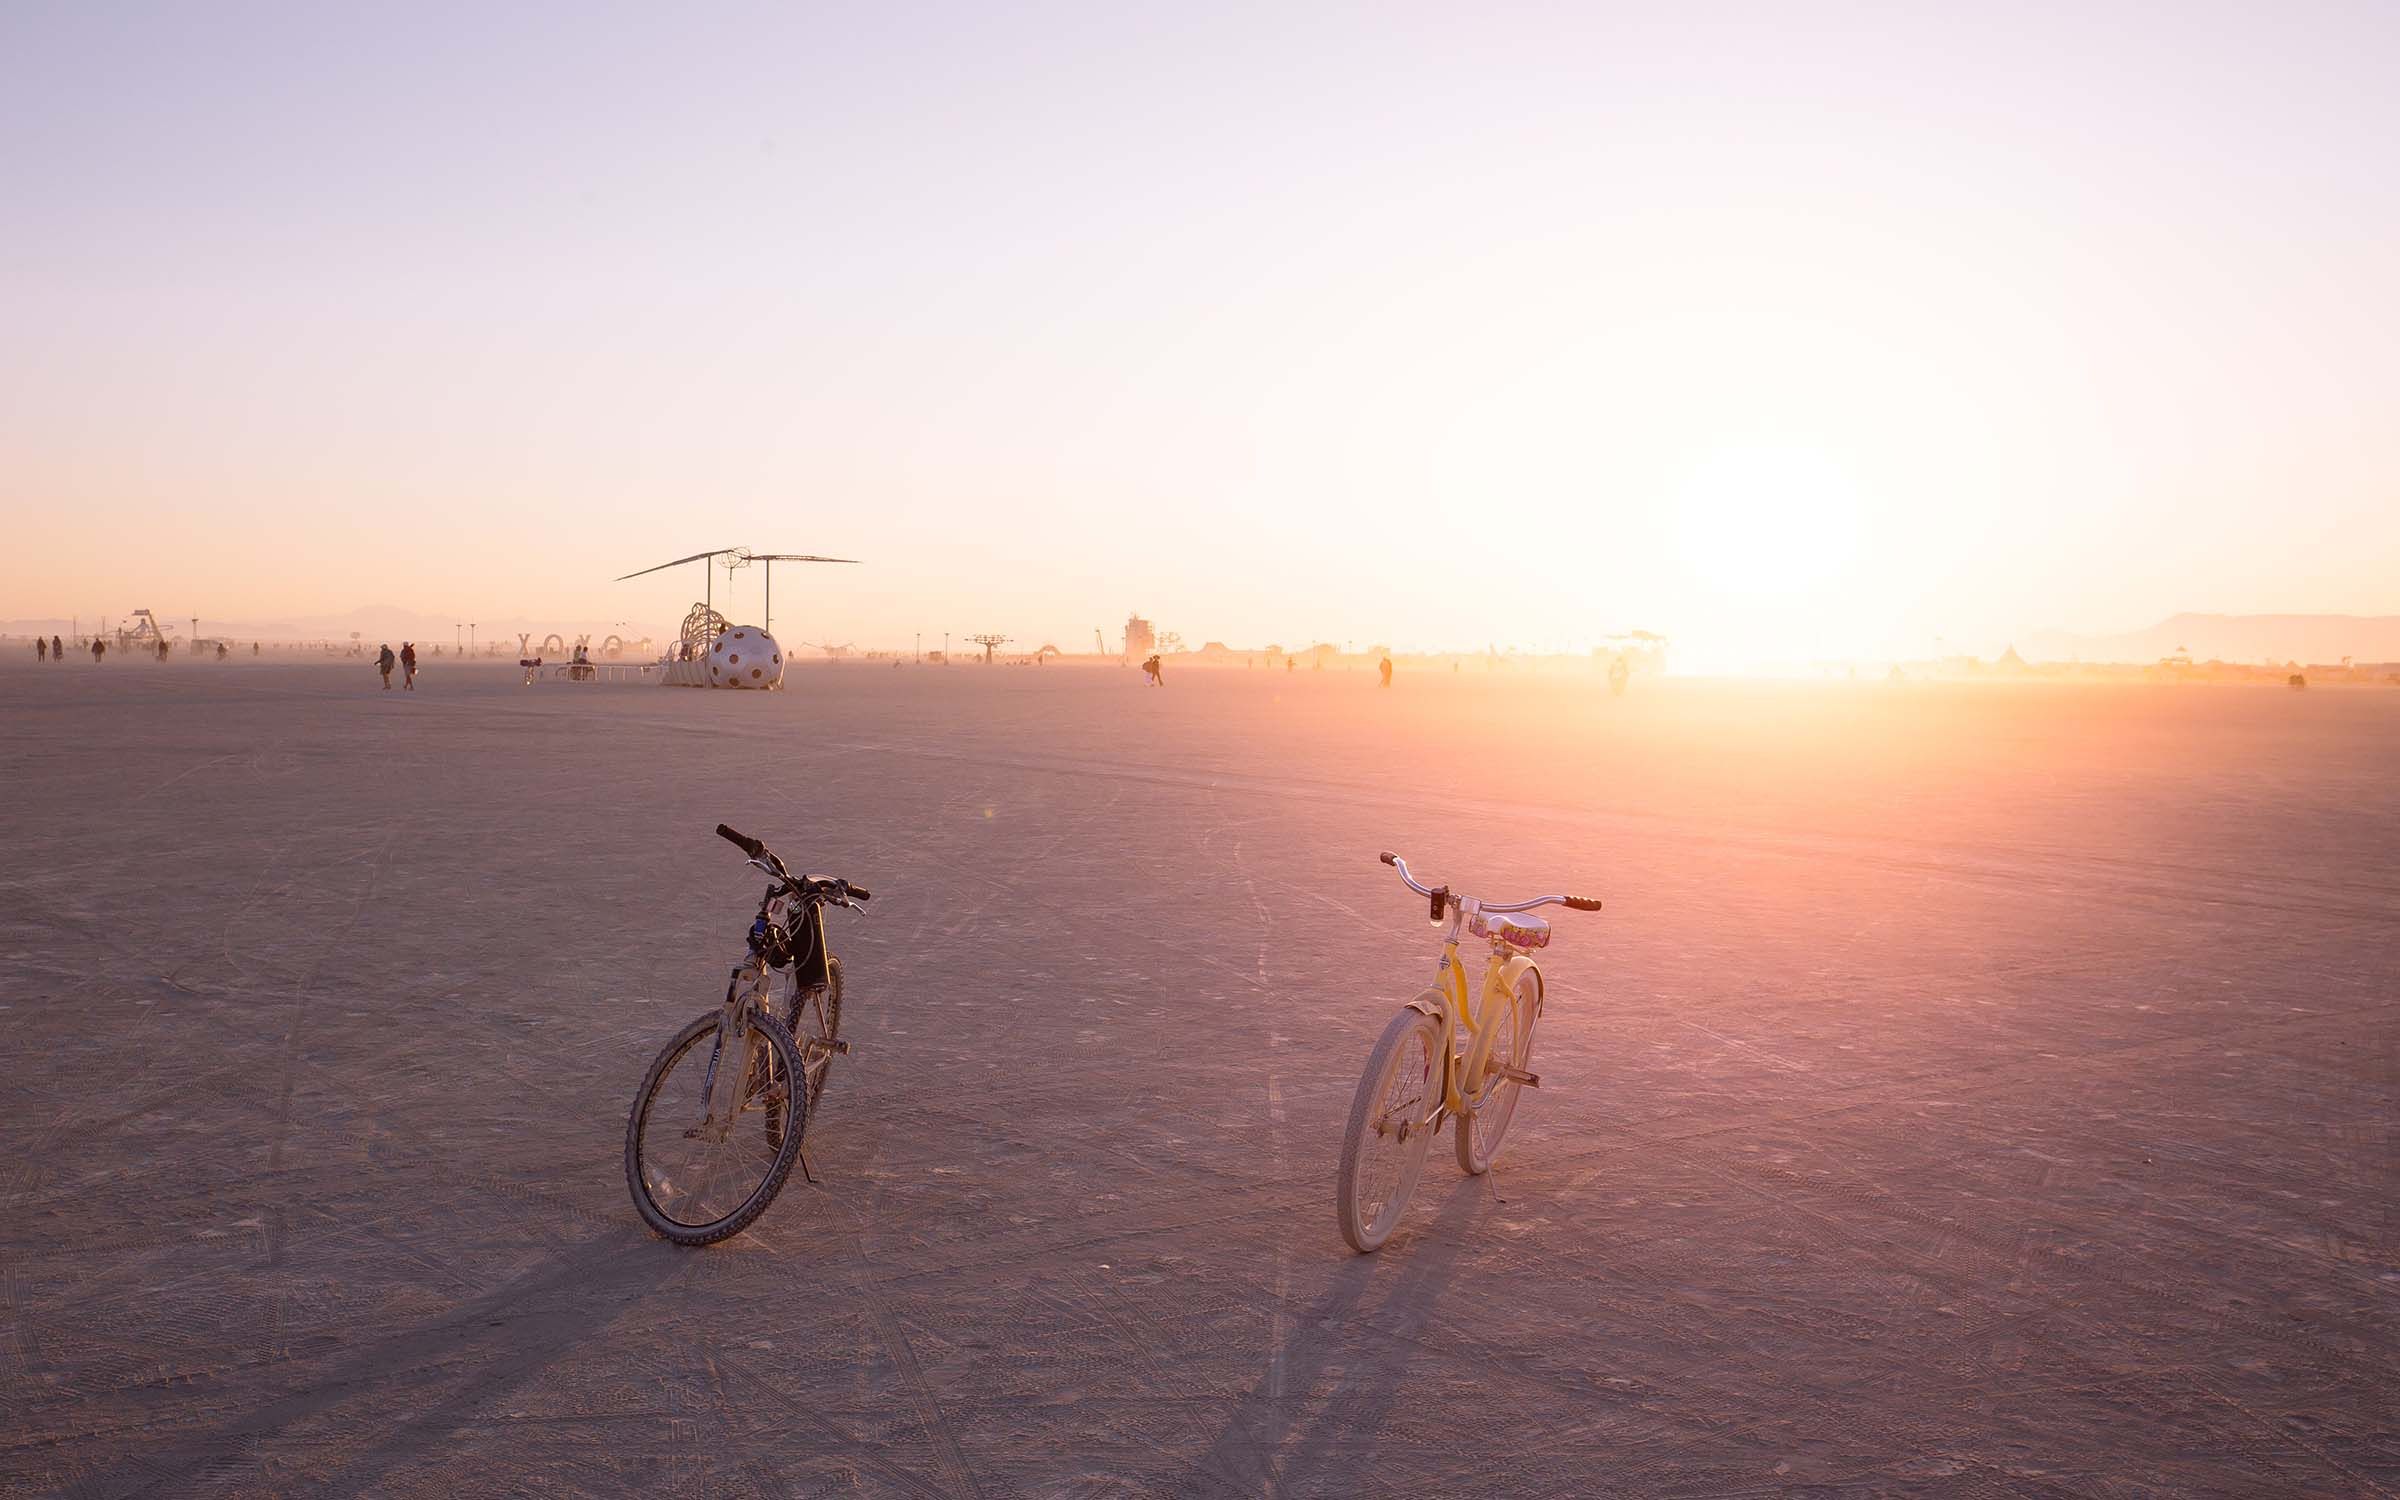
(704, 614)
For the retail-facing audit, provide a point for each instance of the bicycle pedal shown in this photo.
(1517, 1075)
(839, 1046)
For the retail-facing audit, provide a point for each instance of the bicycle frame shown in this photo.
(751, 994)
(1464, 1075)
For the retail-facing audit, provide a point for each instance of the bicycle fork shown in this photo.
(729, 1058)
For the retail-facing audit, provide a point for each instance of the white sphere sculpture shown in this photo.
(745, 657)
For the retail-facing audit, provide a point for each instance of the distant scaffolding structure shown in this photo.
(1140, 638)
(145, 634)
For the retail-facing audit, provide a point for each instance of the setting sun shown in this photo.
(1767, 524)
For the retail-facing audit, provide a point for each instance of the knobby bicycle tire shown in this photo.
(787, 1150)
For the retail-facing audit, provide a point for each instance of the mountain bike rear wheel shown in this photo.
(1479, 1131)
(816, 1024)
(696, 1180)
(1384, 1146)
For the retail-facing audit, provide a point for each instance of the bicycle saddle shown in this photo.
(1513, 928)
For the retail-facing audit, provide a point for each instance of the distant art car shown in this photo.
(745, 657)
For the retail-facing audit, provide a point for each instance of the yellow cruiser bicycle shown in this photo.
(1441, 1059)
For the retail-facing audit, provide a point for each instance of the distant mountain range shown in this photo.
(2234, 638)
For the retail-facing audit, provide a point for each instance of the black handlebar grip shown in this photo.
(858, 892)
(1388, 857)
(1584, 903)
(741, 841)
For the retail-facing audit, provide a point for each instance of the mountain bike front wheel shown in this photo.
(697, 1179)
(1479, 1131)
(1383, 1149)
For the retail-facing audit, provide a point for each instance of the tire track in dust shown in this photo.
(929, 1406)
(288, 1069)
(1844, 1236)
(858, 1450)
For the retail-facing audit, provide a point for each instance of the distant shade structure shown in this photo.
(745, 657)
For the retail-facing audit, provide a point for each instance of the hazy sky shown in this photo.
(1782, 328)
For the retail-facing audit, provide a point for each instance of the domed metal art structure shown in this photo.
(700, 630)
(700, 654)
(745, 657)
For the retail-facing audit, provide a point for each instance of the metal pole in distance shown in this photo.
(945, 648)
(770, 626)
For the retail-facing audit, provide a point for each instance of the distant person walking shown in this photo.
(41, 649)
(1152, 670)
(99, 649)
(408, 665)
(1383, 669)
(222, 653)
(384, 661)
(1618, 672)
(58, 649)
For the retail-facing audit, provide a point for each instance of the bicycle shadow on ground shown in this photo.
(500, 1339)
(1244, 1453)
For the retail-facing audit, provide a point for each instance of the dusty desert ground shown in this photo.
(1966, 1092)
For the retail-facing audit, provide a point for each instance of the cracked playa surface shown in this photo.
(1967, 1091)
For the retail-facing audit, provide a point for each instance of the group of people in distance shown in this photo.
(407, 661)
(1156, 673)
(55, 649)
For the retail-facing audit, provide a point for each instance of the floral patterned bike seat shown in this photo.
(1513, 928)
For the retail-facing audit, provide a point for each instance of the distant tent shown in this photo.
(2010, 662)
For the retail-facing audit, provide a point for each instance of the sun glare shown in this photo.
(1766, 525)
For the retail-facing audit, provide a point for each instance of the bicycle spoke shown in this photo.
(1390, 1130)
(700, 1180)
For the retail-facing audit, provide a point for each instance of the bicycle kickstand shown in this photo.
(808, 1168)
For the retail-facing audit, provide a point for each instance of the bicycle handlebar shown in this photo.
(1440, 895)
(757, 849)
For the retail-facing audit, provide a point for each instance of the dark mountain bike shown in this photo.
(719, 1120)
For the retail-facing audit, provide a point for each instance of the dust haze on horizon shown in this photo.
(1789, 332)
